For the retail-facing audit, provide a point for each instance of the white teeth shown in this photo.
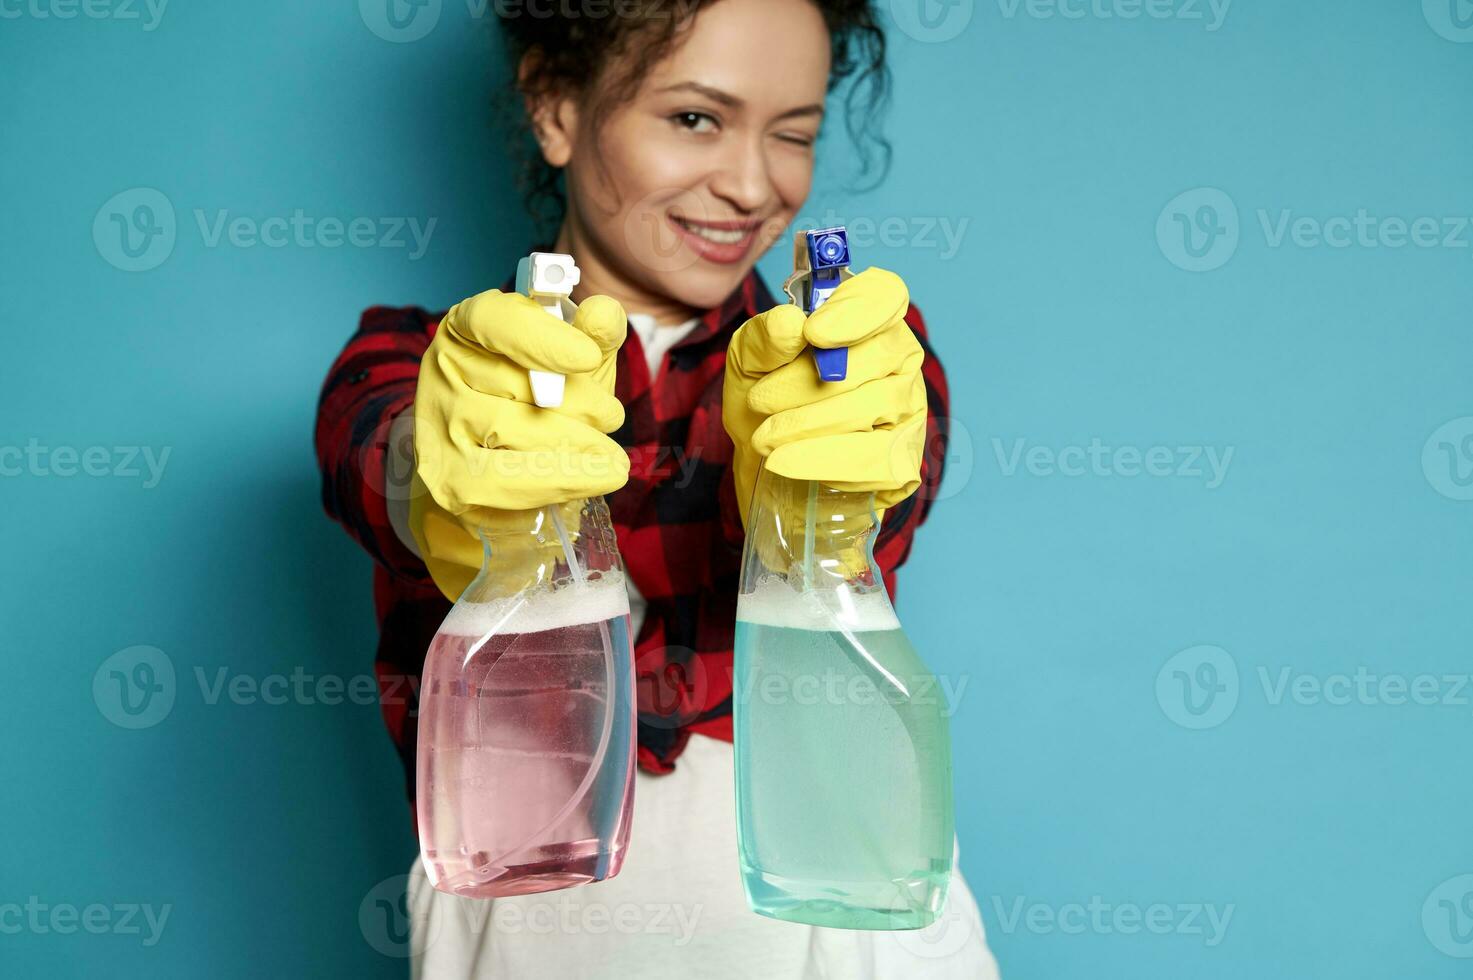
(716, 235)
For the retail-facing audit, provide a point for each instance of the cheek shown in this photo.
(638, 168)
(792, 178)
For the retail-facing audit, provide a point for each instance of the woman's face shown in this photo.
(673, 198)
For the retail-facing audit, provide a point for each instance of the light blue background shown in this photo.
(1058, 141)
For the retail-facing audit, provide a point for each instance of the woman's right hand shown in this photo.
(482, 446)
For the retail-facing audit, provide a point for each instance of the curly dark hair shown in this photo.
(585, 54)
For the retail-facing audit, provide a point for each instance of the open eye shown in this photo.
(695, 122)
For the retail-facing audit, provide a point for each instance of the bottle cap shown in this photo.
(820, 264)
(548, 279)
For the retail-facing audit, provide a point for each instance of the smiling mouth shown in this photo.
(718, 233)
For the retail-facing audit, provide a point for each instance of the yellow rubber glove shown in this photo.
(485, 454)
(865, 433)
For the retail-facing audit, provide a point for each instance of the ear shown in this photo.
(553, 115)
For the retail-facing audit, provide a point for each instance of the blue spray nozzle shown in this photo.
(820, 264)
(832, 363)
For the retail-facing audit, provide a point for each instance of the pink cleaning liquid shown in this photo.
(526, 743)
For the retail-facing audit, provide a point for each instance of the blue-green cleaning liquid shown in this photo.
(843, 767)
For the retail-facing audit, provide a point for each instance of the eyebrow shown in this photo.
(732, 102)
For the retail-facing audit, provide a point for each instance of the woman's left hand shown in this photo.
(865, 433)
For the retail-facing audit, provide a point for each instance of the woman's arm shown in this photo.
(364, 434)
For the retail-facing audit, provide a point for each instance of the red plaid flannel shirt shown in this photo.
(677, 520)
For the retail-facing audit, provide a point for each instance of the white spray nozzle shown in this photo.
(548, 279)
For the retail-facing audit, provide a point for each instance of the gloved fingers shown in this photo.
(602, 319)
(881, 403)
(441, 535)
(860, 308)
(491, 452)
(766, 342)
(881, 459)
(893, 351)
(512, 325)
(477, 420)
(450, 552)
(514, 479)
(585, 398)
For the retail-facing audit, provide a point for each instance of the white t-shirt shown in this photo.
(656, 339)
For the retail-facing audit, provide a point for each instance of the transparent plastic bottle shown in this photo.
(526, 714)
(843, 755)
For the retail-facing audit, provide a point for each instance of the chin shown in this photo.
(703, 288)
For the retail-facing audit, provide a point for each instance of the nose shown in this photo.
(742, 179)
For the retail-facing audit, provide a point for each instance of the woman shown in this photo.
(683, 139)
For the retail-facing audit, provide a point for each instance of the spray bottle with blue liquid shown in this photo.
(843, 757)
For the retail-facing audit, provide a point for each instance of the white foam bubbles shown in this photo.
(775, 603)
(574, 605)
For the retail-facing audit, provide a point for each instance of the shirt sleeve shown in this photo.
(371, 382)
(897, 531)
